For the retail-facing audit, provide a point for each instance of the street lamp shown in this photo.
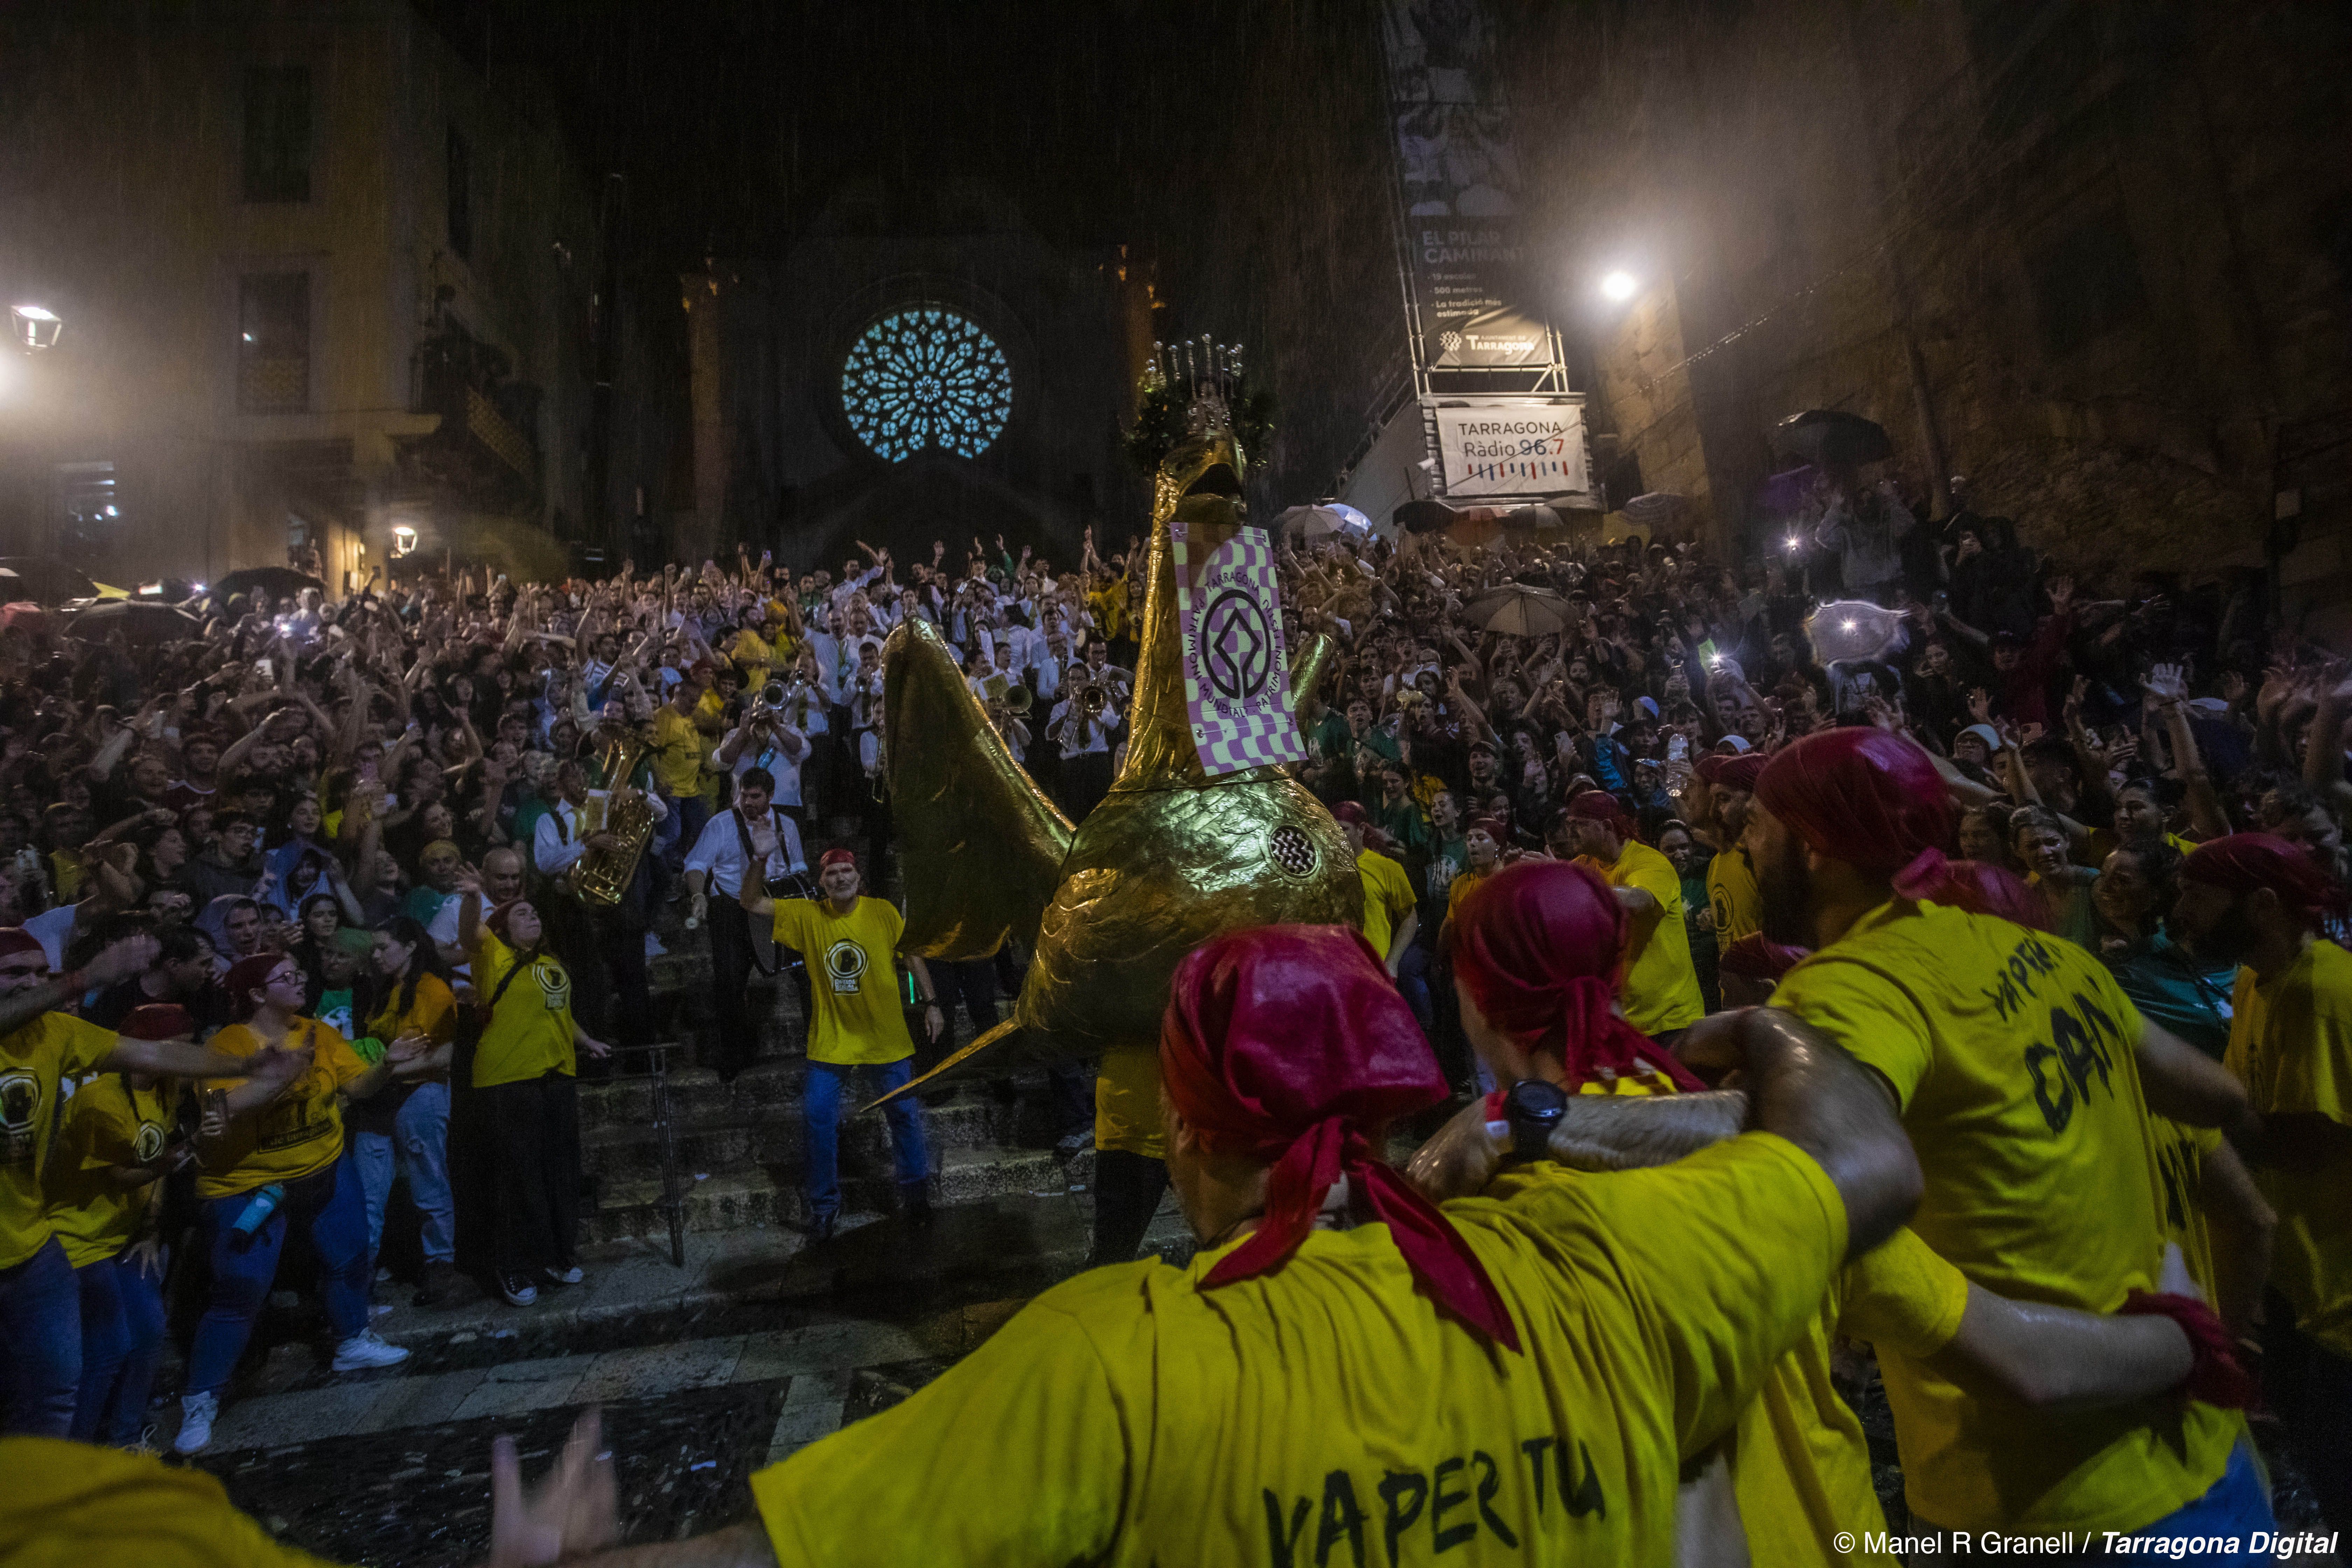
(404, 539)
(1620, 287)
(35, 326)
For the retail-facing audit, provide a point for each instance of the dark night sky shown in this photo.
(735, 119)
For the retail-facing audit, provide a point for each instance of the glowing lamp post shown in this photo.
(35, 326)
(404, 539)
(1619, 286)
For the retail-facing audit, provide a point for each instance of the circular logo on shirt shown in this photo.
(149, 1145)
(1292, 851)
(845, 961)
(20, 1101)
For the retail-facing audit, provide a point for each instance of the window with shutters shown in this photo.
(277, 133)
(273, 351)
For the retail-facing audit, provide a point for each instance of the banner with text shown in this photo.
(1459, 176)
(1512, 450)
(1236, 668)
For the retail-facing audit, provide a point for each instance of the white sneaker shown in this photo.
(197, 1412)
(653, 948)
(571, 1276)
(366, 1350)
(518, 1290)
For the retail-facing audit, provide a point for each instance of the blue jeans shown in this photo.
(675, 834)
(330, 1209)
(40, 1344)
(419, 1144)
(121, 1340)
(821, 1130)
(1413, 981)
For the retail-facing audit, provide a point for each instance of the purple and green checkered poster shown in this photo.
(1236, 671)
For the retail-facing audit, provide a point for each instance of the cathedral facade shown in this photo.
(918, 365)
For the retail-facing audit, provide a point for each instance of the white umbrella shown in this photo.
(1322, 519)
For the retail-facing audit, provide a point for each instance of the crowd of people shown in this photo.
(2041, 877)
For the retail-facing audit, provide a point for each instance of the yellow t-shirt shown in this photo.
(2291, 1045)
(853, 977)
(677, 753)
(107, 1123)
(72, 1505)
(1465, 882)
(1128, 1417)
(1388, 899)
(1661, 987)
(751, 654)
(1732, 894)
(34, 1060)
(529, 1033)
(1126, 1101)
(295, 1135)
(432, 1013)
(2013, 1057)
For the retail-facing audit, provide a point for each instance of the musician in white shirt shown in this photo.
(752, 834)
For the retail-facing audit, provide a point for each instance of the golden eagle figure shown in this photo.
(1169, 859)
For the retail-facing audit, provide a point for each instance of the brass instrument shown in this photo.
(601, 877)
(790, 702)
(1018, 700)
(1093, 700)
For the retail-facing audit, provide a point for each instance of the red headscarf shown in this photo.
(1492, 826)
(1290, 1044)
(16, 939)
(1866, 797)
(1757, 957)
(1724, 771)
(245, 977)
(2244, 862)
(832, 857)
(1350, 811)
(1539, 944)
(1600, 805)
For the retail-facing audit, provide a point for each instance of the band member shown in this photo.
(753, 833)
(848, 942)
(603, 946)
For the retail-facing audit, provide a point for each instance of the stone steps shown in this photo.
(739, 1144)
(747, 1196)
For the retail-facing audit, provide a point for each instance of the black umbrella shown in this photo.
(1830, 436)
(139, 620)
(47, 579)
(277, 582)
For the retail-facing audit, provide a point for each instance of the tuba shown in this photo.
(601, 877)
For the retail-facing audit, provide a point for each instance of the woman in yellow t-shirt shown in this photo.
(281, 1164)
(521, 1176)
(103, 1190)
(407, 998)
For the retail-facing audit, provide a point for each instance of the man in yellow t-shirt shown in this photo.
(2018, 1066)
(858, 1023)
(2258, 901)
(1719, 799)
(1299, 1393)
(40, 1050)
(1391, 914)
(679, 728)
(1660, 993)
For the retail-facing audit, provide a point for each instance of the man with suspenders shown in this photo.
(753, 833)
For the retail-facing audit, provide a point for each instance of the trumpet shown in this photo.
(1018, 699)
(791, 703)
(1092, 700)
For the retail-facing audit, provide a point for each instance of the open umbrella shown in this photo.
(47, 580)
(277, 582)
(1322, 519)
(1830, 436)
(139, 620)
(1519, 611)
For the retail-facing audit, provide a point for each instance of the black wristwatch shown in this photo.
(1533, 1108)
